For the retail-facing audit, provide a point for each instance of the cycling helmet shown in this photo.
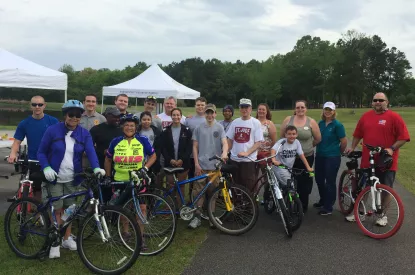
(72, 104)
(384, 161)
(129, 117)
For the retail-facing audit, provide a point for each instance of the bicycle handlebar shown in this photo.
(296, 171)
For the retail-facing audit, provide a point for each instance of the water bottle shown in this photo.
(68, 212)
(114, 197)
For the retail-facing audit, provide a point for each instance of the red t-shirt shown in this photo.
(380, 130)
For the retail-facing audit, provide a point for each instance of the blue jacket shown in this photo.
(52, 149)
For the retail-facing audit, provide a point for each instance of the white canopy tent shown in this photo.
(17, 72)
(153, 81)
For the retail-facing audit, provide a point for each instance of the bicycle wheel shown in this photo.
(295, 210)
(27, 232)
(285, 217)
(113, 256)
(241, 218)
(162, 192)
(160, 223)
(386, 220)
(346, 191)
(269, 205)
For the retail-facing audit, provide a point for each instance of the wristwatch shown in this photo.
(393, 148)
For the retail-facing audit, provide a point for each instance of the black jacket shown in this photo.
(185, 146)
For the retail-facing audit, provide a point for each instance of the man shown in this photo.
(32, 128)
(90, 117)
(102, 135)
(193, 122)
(169, 104)
(385, 128)
(244, 137)
(149, 106)
(227, 117)
(209, 139)
(121, 102)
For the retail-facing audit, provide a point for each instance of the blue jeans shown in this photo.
(326, 169)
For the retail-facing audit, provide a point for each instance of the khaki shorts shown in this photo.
(60, 189)
(200, 184)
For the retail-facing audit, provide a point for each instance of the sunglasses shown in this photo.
(37, 104)
(152, 97)
(379, 100)
(74, 114)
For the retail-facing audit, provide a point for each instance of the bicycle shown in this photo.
(377, 195)
(101, 226)
(154, 214)
(284, 198)
(231, 207)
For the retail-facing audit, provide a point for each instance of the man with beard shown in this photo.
(385, 128)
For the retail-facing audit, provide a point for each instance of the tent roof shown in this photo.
(18, 72)
(153, 81)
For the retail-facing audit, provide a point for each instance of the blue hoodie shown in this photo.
(52, 149)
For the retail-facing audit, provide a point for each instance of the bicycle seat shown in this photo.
(228, 168)
(172, 170)
(355, 154)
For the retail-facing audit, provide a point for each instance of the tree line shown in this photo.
(347, 72)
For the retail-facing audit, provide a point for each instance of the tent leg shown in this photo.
(102, 104)
(66, 95)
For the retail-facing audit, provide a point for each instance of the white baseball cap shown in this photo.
(330, 105)
(245, 102)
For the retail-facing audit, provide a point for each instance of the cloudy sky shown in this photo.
(114, 34)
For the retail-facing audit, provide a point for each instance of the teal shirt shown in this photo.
(330, 138)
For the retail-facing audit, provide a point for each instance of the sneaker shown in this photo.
(54, 252)
(195, 223)
(324, 212)
(69, 244)
(350, 218)
(383, 221)
(318, 205)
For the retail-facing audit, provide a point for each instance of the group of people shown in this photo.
(118, 141)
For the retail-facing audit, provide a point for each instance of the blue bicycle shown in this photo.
(101, 230)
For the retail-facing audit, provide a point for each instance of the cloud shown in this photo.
(111, 34)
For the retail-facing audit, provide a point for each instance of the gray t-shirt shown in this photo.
(194, 121)
(288, 152)
(209, 139)
(155, 121)
(149, 134)
(176, 136)
(88, 122)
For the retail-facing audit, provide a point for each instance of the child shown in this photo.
(287, 154)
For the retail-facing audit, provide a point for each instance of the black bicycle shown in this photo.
(101, 231)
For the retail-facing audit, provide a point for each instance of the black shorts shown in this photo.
(386, 177)
(37, 176)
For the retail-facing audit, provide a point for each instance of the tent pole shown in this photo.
(66, 95)
(102, 104)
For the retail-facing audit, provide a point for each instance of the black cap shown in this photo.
(112, 111)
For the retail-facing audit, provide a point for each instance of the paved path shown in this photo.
(323, 245)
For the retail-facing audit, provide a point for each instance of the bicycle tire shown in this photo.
(219, 221)
(346, 209)
(269, 204)
(286, 219)
(295, 209)
(137, 244)
(169, 230)
(162, 191)
(399, 222)
(8, 233)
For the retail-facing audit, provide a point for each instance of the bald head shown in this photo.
(381, 95)
(37, 98)
(380, 102)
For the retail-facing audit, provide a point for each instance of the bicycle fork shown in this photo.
(100, 222)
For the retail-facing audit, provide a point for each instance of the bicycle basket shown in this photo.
(353, 164)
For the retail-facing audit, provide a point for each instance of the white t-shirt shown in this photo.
(288, 152)
(66, 170)
(244, 134)
(166, 120)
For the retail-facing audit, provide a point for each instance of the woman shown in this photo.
(177, 147)
(328, 157)
(146, 128)
(309, 136)
(270, 137)
(128, 153)
(60, 156)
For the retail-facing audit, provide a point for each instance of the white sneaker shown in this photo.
(382, 221)
(350, 218)
(195, 223)
(69, 244)
(54, 252)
